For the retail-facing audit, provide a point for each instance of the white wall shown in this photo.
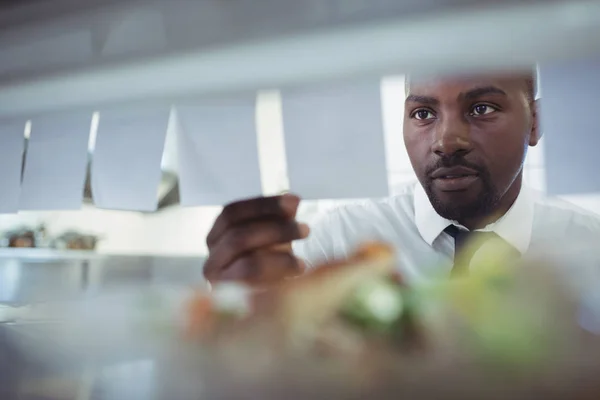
(183, 230)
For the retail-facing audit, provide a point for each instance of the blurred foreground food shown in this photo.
(353, 330)
(350, 330)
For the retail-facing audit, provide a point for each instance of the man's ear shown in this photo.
(536, 132)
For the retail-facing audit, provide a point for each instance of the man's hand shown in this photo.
(251, 241)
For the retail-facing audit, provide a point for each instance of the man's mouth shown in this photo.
(455, 176)
(453, 172)
(454, 179)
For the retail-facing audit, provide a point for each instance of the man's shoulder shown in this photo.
(570, 218)
(400, 204)
(336, 232)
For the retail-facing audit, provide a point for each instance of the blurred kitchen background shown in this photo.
(70, 47)
(88, 57)
(181, 230)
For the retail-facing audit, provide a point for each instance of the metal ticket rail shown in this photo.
(210, 47)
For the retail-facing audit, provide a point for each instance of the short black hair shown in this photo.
(531, 82)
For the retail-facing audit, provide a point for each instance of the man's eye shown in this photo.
(482, 109)
(423, 114)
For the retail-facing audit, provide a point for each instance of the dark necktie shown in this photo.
(466, 244)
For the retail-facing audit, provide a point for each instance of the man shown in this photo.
(467, 138)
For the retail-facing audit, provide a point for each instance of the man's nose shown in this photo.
(452, 136)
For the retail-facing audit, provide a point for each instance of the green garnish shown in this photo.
(376, 305)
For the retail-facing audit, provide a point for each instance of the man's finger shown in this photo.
(252, 236)
(263, 268)
(284, 206)
(284, 247)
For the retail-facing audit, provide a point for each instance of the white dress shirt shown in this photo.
(409, 223)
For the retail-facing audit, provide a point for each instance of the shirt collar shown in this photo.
(515, 226)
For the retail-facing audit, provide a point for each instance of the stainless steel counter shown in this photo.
(24, 377)
(38, 275)
(33, 275)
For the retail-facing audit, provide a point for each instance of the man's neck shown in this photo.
(505, 203)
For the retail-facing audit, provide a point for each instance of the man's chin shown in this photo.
(458, 205)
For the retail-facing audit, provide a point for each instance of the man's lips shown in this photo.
(453, 172)
(454, 179)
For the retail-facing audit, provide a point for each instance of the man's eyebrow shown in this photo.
(432, 101)
(482, 91)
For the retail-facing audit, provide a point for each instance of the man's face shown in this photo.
(467, 139)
